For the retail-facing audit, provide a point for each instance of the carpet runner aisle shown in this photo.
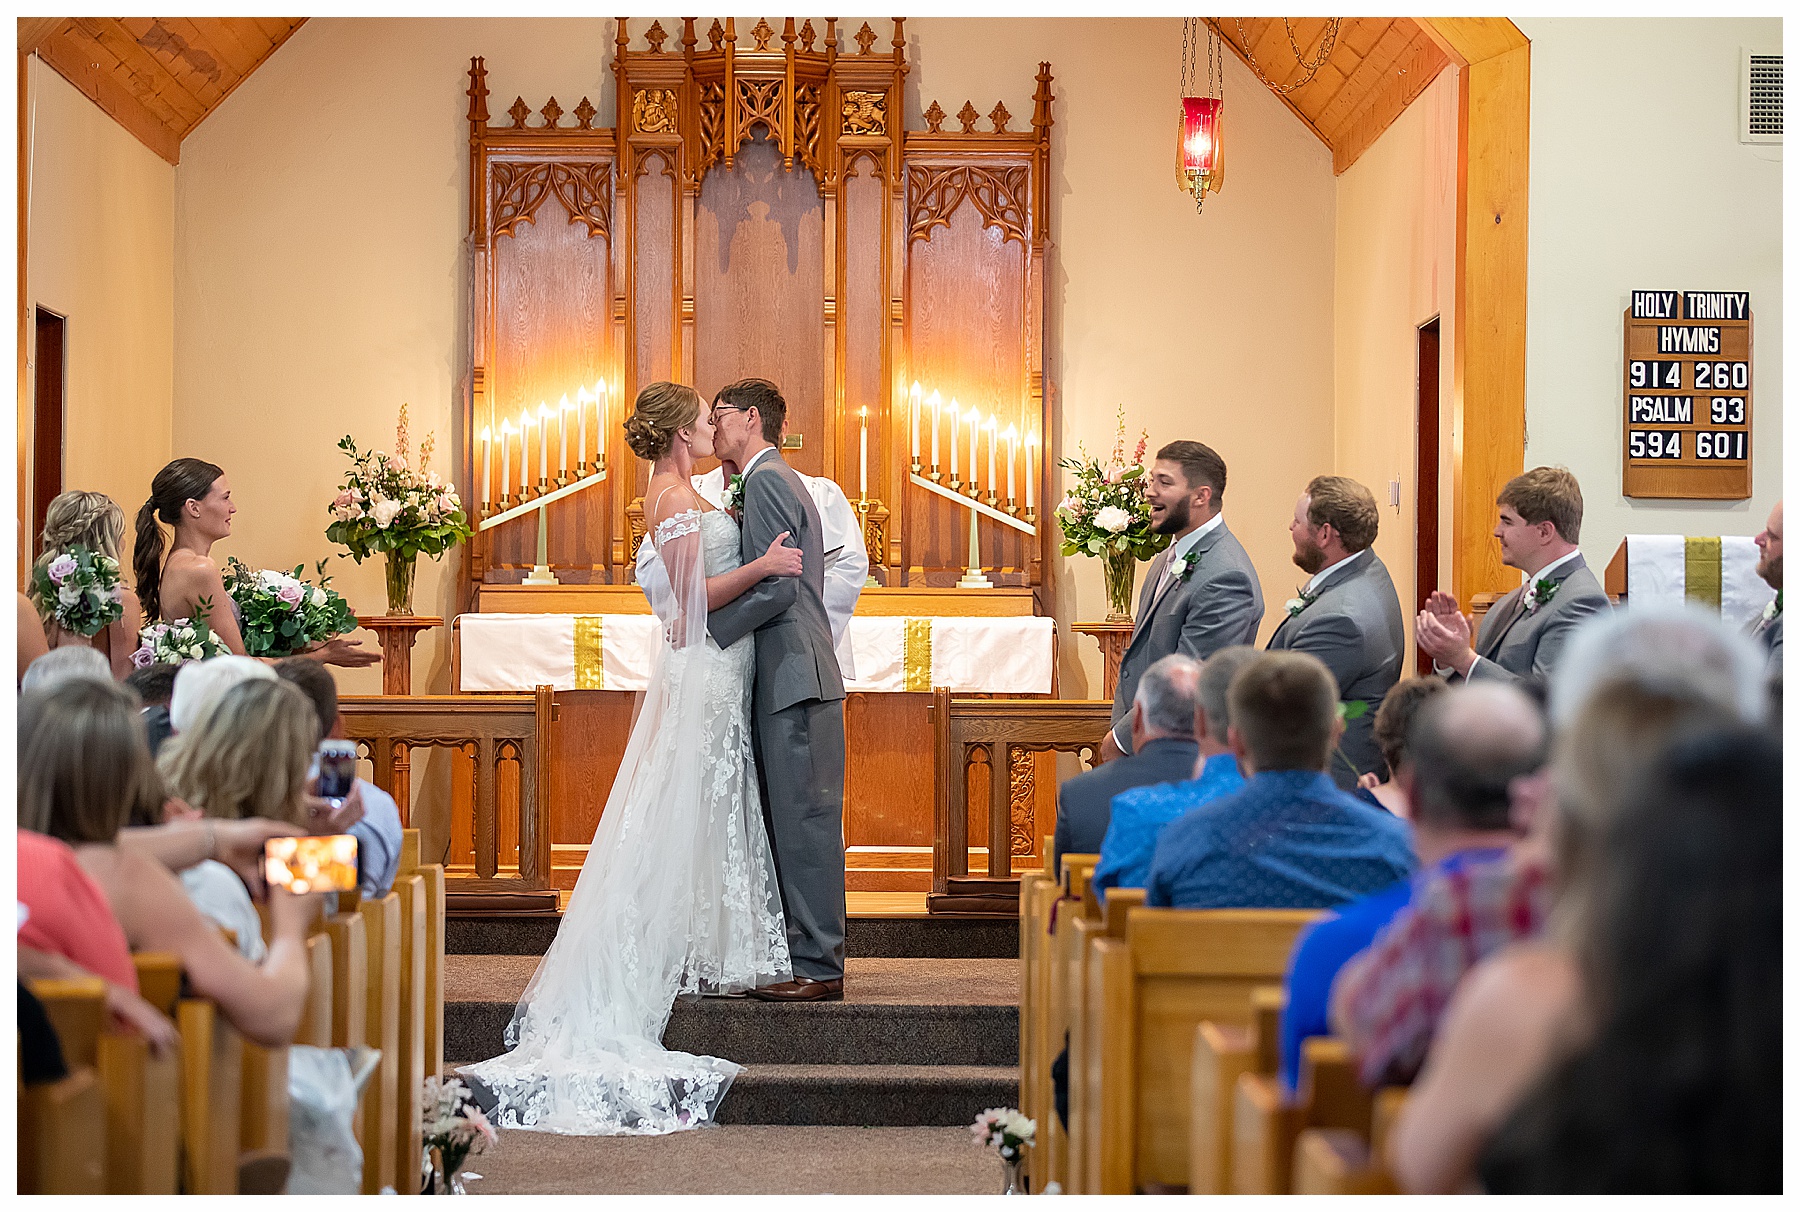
(871, 1094)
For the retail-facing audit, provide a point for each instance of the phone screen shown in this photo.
(337, 769)
(311, 864)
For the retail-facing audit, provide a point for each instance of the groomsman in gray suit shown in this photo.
(1201, 594)
(1767, 630)
(797, 703)
(1348, 614)
(1525, 632)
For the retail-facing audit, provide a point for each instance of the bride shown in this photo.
(678, 893)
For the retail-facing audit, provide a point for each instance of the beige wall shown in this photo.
(1638, 182)
(101, 254)
(1396, 269)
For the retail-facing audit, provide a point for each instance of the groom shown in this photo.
(797, 706)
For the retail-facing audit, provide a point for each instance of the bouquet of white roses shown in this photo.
(454, 1126)
(282, 613)
(386, 504)
(178, 642)
(79, 589)
(1106, 510)
(1007, 1129)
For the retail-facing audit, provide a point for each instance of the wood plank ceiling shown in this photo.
(1376, 68)
(157, 76)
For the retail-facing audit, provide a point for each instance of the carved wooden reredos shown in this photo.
(758, 210)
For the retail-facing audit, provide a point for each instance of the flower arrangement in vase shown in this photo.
(284, 614)
(1105, 513)
(453, 1129)
(387, 504)
(1009, 1132)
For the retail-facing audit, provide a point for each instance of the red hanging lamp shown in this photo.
(1199, 157)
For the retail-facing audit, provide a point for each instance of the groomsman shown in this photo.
(1201, 594)
(1348, 614)
(1524, 633)
(1767, 630)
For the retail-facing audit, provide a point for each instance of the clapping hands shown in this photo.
(1443, 631)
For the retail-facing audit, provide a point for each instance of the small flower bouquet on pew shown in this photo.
(454, 1128)
(79, 589)
(1010, 1133)
(284, 614)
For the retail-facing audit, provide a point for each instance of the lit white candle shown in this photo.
(1031, 450)
(862, 476)
(915, 420)
(937, 403)
(1012, 458)
(581, 412)
(524, 449)
(505, 459)
(993, 429)
(562, 435)
(487, 465)
(955, 432)
(974, 420)
(543, 441)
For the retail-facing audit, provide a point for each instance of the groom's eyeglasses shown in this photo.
(719, 408)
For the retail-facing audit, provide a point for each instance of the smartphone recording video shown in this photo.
(311, 864)
(337, 769)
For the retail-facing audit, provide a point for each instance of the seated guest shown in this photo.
(92, 520)
(1524, 633)
(1767, 630)
(1628, 686)
(155, 685)
(82, 761)
(1347, 615)
(1676, 1088)
(199, 684)
(1391, 723)
(32, 644)
(1466, 749)
(1138, 815)
(62, 664)
(1289, 839)
(378, 832)
(1163, 751)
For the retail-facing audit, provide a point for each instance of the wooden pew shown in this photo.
(433, 875)
(1071, 887)
(409, 1054)
(315, 1022)
(62, 1124)
(1222, 1052)
(1037, 893)
(381, 924)
(143, 1139)
(1342, 1161)
(212, 1056)
(1077, 920)
(1266, 1126)
(1172, 970)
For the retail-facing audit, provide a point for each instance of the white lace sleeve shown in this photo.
(682, 550)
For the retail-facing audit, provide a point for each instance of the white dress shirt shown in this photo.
(1318, 578)
(1182, 546)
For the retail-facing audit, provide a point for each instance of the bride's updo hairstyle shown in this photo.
(661, 409)
(182, 481)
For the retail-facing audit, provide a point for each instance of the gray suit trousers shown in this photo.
(800, 767)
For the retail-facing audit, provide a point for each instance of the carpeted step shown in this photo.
(869, 937)
(868, 1095)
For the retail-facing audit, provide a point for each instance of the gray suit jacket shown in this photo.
(1768, 634)
(1356, 628)
(1513, 644)
(1220, 604)
(795, 661)
(1084, 803)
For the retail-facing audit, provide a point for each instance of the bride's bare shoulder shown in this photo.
(669, 495)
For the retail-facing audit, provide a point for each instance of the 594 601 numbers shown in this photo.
(1654, 443)
(1721, 444)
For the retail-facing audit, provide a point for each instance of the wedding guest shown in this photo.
(1347, 615)
(378, 833)
(1140, 815)
(72, 663)
(32, 644)
(1200, 594)
(82, 761)
(1767, 630)
(155, 686)
(1163, 750)
(192, 497)
(200, 684)
(1676, 1089)
(1290, 839)
(1523, 635)
(1391, 724)
(92, 520)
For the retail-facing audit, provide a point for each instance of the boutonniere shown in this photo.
(1296, 605)
(1773, 608)
(733, 497)
(1540, 594)
(1184, 567)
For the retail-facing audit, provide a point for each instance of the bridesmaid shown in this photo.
(95, 521)
(191, 495)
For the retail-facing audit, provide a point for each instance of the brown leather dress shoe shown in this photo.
(801, 989)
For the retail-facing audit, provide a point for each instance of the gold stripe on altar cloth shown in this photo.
(915, 659)
(589, 671)
(1705, 572)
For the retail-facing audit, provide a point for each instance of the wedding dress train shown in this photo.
(678, 893)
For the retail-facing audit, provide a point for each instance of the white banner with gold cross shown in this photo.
(1718, 573)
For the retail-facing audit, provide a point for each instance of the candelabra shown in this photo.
(519, 504)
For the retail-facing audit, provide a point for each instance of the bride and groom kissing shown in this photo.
(718, 864)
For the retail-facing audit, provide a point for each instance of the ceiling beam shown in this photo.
(34, 30)
(76, 66)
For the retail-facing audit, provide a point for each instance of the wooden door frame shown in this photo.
(1487, 396)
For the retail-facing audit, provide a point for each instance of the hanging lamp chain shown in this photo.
(1327, 43)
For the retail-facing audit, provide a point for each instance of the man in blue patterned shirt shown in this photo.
(1138, 815)
(1290, 839)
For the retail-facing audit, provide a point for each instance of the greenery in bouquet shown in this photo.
(79, 589)
(179, 641)
(453, 1124)
(284, 614)
(1105, 510)
(385, 503)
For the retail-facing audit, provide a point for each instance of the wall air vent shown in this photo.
(1759, 99)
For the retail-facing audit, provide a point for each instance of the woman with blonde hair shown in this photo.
(92, 520)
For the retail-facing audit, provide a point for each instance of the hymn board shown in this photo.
(1687, 394)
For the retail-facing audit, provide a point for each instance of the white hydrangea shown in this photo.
(1112, 519)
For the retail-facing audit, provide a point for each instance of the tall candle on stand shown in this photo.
(562, 430)
(1031, 443)
(937, 402)
(599, 418)
(993, 429)
(955, 425)
(915, 420)
(581, 411)
(505, 459)
(524, 449)
(974, 420)
(1012, 457)
(487, 465)
(543, 441)
(862, 478)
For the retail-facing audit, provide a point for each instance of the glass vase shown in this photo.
(445, 1176)
(1121, 571)
(400, 568)
(1015, 1181)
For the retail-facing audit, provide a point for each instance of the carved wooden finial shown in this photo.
(716, 35)
(584, 114)
(478, 91)
(552, 112)
(624, 36)
(999, 117)
(656, 36)
(899, 37)
(731, 31)
(1040, 110)
(831, 36)
(787, 34)
(967, 115)
(762, 33)
(865, 38)
(688, 41)
(519, 111)
(808, 36)
(934, 118)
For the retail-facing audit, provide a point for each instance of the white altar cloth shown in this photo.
(517, 652)
(1658, 565)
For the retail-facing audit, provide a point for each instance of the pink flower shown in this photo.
(61, 568)
(142, 658)
(290, 594)
(1142, 442)
(1114, 474)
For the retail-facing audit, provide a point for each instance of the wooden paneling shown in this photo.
(653, 300)
(862, 320)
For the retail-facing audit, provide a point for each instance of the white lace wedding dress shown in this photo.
(678, 893)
